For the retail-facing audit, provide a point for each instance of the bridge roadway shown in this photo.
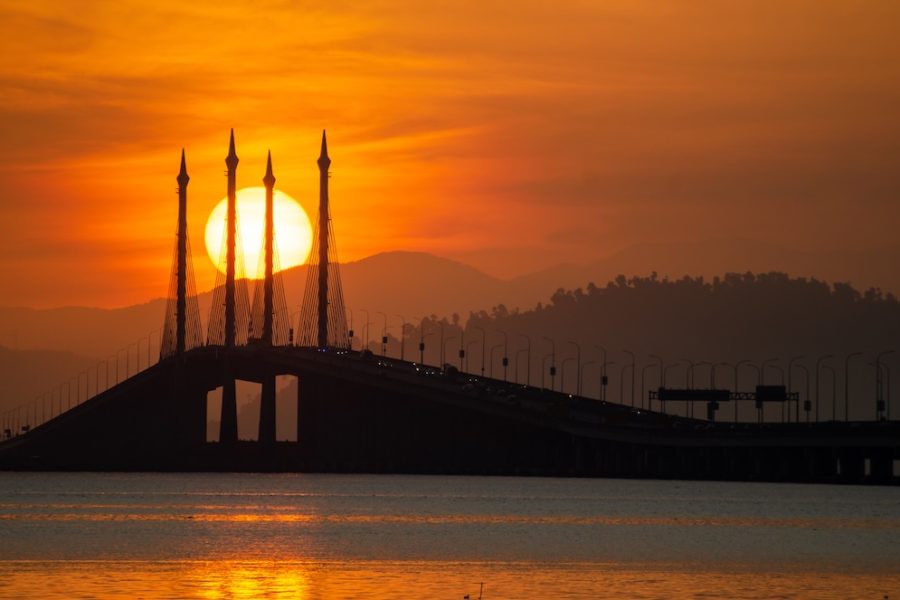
(364, 413)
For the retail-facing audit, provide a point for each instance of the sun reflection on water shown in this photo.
(274, 579)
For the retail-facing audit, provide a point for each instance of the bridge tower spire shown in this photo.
(181, 328)
(231, 161)
(228, 423)
(269, 283)
(324, 163)
(323, 322)
(267, 410)
(181, 268)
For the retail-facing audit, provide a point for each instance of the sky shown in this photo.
(508, 135)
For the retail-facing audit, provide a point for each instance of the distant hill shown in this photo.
(412, 284)
(863, 269)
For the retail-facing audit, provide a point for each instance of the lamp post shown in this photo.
(462, 347)
(790, 369)
(366, 329)
(562, 374)
(847, 384)
(583, 367)
(483, 339)
(528, 362)
(552, 362)
(737, 388)
(806, 401)
(491, 371)
(643, 381)
(833, 372)
(713, 383)
(469, 353)
(604, 380)
(444, 349)
(662, 403)
(818, 367)
(543, 367)
(762, 369)
(383, 334)
(505, 353)
(622, 383)
(518, 352)
(422, 341)
(662, 369)
(442, 346)
(702, 363)
(402, 335)
(662, 377)
(689, 374)
(879, 392)
(629, 352)
(577, 368)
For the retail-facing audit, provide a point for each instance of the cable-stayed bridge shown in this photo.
(359, 412)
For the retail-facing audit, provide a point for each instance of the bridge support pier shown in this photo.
(267, 417)
(228, 433)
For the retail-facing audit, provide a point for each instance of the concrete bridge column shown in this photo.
(228, 433)
(267, 415)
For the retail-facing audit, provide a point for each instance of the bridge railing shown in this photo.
(107, 373)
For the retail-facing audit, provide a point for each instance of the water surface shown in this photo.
(365, 536)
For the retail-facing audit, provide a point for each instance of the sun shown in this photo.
(293, 231)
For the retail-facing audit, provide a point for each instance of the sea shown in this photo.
(311, 536)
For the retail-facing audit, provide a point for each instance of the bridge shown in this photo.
(360, 412)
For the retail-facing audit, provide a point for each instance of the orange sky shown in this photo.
(511, 136)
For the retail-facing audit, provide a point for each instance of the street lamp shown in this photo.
(469, 353)
(383, 334)
(689, 374)
(543, 367)
(494, 347)
(444, 349)
(552, 362)
(366, 329)
(662, 378)
(402, 335)
(622, 383)
(483, 338)
(604, 380)
(643, 380)
(577, 368)
(528, 360)
(422, 341)
(818, 366)
(562, 375)
(879, 393)
(762, 369)
(702, 363)
(806, 402)
(632, 375)
(505, 353)
(831, 369)
(789, 370)
(847, 384)
(737, 388)
(583, 367)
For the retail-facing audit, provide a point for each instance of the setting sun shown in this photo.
(293, 232)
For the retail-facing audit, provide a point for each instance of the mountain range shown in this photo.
(411, 284)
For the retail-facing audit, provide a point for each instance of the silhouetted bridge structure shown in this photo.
(359, 412)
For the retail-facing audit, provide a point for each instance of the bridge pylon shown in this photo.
(269, 323)
(323, 318)
(230, 313)
(181, 324)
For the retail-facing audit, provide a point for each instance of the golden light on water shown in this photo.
(293, 231)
